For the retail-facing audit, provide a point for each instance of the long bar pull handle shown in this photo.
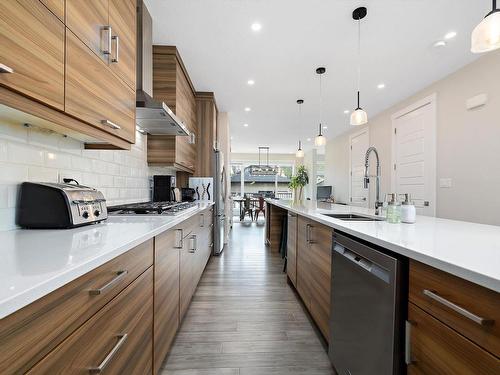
(458, 309)
(179, 242)
(99, 369)
(193, 244)
(110, 124)
(308, 239)
(6, 69)
(408, 360)
(202, 224)
(115, 59)
(119, 275)
(107, 47)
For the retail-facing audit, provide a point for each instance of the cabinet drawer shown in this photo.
(32, 41)
(117, 340)
(94, 94)
(433, 290)
(436, 349)
(32, 332)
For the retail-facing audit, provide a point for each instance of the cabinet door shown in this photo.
(187, 273)
(291, 258)
(438, 350)
(122, 19)
(56, 7)
(88, 20)
(95, 95)
(166, 294)
(304, 261)
(321, 264)
(118, 339)
(32, 52)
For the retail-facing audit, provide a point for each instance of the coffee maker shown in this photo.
(163, 188)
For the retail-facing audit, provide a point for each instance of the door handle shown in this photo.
(99, 369)
(107, 44)
(110, 124)
(178, 239)
(116, 38)
(193, 244)
(6, 69)
(202, 224)
(408, 359)
(119, 275)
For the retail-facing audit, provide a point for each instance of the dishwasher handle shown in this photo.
(363, 263)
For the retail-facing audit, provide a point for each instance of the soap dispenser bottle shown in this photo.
(408, 210)
(393, 215)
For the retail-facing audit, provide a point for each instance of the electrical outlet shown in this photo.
(445, 183)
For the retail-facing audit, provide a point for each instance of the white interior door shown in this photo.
(359, 145)
(414, 155)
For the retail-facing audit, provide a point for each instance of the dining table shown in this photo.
(240, 200)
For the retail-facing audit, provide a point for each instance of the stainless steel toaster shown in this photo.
(52, 205)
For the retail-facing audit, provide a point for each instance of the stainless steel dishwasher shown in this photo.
(367, 310)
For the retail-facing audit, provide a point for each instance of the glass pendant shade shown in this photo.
(486, 35)
(359, 117)
(320, 140)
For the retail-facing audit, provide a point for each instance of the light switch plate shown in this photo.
(445, 183)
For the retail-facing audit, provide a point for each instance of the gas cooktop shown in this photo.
(151, 208)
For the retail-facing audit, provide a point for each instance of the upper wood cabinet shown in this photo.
(56, 7)
(171, 84)
(206, 116)
(122, 19)
(94, 94)
(32, 52)
(89, 21)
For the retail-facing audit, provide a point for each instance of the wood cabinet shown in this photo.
(117, 340)
(166, 293)
(314, 246)
(453, 324)
(171, 84)
(32, 332)
(291, 257)
(32, 53)
(94, 94)
(206, 110)
(56, 7)
(437, 349)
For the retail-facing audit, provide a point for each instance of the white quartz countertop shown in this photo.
(34, 263)
(468, 250)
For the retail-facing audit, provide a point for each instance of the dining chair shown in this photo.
(247, 209)
(260, 208)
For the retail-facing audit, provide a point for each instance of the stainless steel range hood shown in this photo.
(152, 116)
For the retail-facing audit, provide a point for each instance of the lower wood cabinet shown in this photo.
(436, 349)
(291, 257)
(166, 293)
(117, 340)
(313, 279)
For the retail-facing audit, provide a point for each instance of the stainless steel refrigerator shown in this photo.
(220, 195)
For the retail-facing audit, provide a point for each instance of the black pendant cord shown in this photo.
(320, 133)
(358, 107)
(494, 9)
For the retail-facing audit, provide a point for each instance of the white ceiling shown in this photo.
(221, 53)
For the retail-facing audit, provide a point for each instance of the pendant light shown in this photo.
(359, 116)
(320, 140)
(486, 35)
(300, 153)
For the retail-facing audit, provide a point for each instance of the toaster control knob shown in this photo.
(97, 213)
(85, 215)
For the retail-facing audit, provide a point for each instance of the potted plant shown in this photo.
(298, 182)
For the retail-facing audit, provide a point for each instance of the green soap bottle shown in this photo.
(393, 214)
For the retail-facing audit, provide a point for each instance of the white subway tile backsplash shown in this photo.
(31, 154)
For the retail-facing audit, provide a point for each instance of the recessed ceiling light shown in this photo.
(308, 139)
(248, 109)
(381, 86)
(245, 125)
(450, 35)
(440, 43)
(251, 82)
(346, 112)
(256, 26)
(325, 127)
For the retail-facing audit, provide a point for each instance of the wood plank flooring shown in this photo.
(245, 319)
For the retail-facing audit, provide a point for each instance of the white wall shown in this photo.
(31, 154)
(468, 144)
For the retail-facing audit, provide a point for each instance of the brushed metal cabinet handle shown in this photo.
(6, 69)
(202, 224)
(99, 369)
(107, 45)
(193, 244)
(408, 360)
(179, 242)
(116, 59)
(458, 309)
(308, 234)
(110, 124)
(119, 275)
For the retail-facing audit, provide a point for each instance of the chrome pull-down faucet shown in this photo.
(378, 202)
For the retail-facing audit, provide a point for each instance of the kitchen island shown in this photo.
(450, 280)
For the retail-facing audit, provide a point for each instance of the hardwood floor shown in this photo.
(245, 319)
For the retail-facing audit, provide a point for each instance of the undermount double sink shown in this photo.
(354, 217)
